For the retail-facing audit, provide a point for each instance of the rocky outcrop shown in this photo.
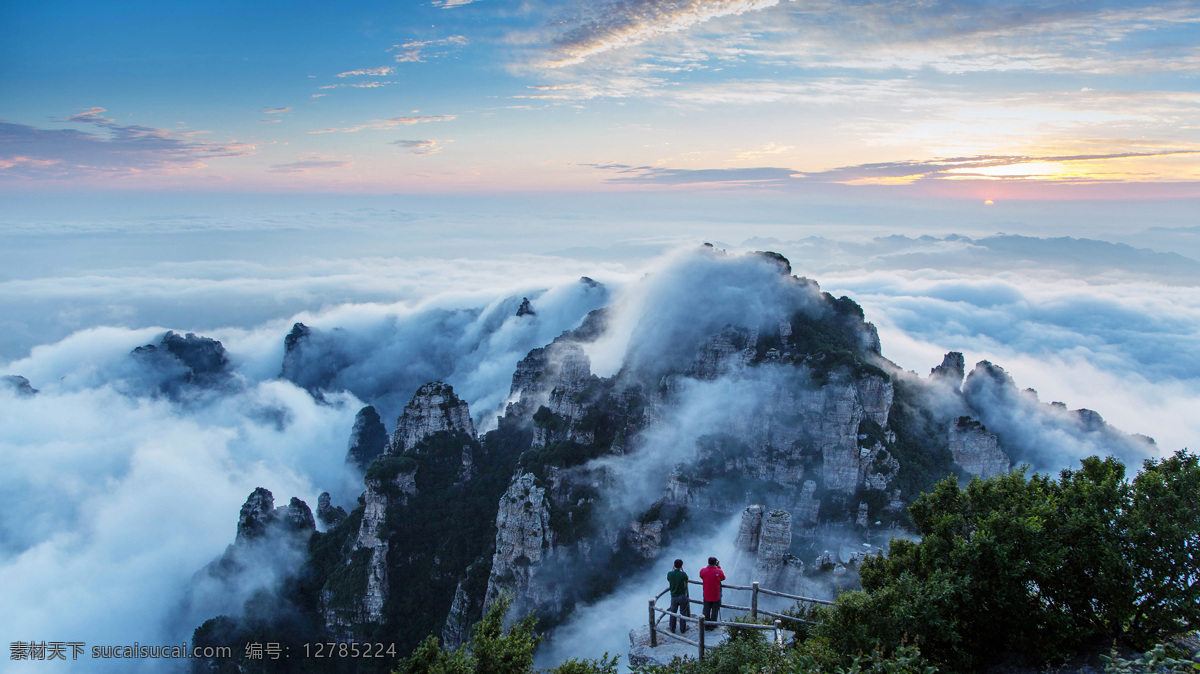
(526, 309)
(313, 358)
(773, 542)
(952, 370)
(203, 357)
(256, 515)
(18, 385)
(1029, 431)
(645, 538)
(368, 439)
(524, 539)
(188, 362)
(328, 515)
(433, 409)
(259, 517)
(750, 528)
(458, 622)
(975, 450)
(766, 537)
(296, 516)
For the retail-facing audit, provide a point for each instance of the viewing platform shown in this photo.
(654, 644)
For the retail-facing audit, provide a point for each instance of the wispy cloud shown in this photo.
(116, 150)
(760, 176)
(421, 147)
(276, 111)
(769, 148)
(356, 85)
(417, 51)
(381, 124)
(308, 165)
(382, 71)
(613, 25)
(1061, 168)
(451, 4)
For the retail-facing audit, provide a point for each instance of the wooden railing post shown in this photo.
(754, 602)
(653, 634)
(701, 631)
(778, 632)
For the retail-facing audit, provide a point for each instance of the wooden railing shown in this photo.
(700, 621)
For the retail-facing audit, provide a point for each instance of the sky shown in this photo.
(959, 98)
(1017, 181)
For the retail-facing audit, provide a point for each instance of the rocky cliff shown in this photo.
(433, 409)
(777, 409)
(976, 450)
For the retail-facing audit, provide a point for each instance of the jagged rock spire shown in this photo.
(952, 369)
(368, 439)
(433, 408)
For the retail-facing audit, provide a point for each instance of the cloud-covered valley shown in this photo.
(119, 493)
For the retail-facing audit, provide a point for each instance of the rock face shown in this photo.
(774, 541)
(524, 539)
(750, 528)
(645, 538)
(18, 384)
(296, 516)
(728, 348)
(368, 439)
(976, 450)
(434, 408)
(564, 408)
(458, 623)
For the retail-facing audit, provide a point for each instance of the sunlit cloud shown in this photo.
(421, 147)
(417, 51)
(1066, 168)
(768, 149)
(601, 28)
(275, 111)
(356, 85)
(382, 71)
(451, 4)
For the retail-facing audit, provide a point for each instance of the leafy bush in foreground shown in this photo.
(1039, 567)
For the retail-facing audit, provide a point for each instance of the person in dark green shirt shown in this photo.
(677, 580)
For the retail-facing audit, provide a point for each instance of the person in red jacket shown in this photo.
(711, 576)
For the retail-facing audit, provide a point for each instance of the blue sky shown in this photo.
(943, 99)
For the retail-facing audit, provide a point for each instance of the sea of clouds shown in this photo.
(116, 495)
